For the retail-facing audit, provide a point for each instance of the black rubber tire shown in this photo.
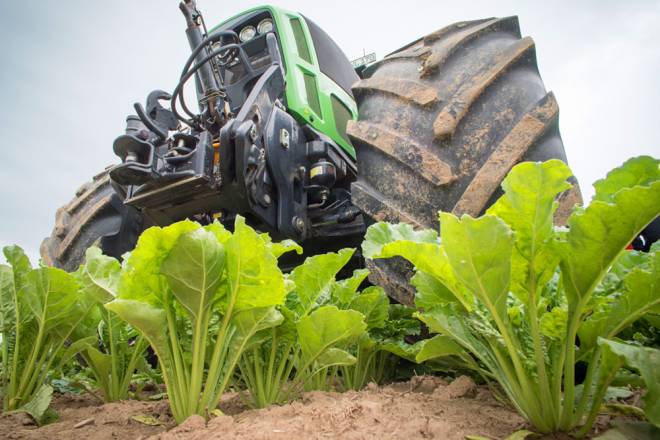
(442, 121)
(96, 215)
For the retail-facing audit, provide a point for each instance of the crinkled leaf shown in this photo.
(647, 361)
(430, 292)
(423, 250)
(140, 278)
(374, 305)
(151, 321)
(99, 276)
(315, 276)
(39, 403)
(641, 294)
(254, 278)
(381, 234)
(600, 232)
(479, 252)
(51, 295)
(343, 292)
(284, 246)
(328, 327)
(553, 323)
(249, 322)
(446, 321)
(638, 171)
(7, 298)
(194, 269)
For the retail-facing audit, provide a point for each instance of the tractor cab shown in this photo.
(318, 75)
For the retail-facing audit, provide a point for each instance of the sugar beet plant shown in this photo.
(200, 295)
(39, 310)
(313, 340)
(513, 291)
(111, 349)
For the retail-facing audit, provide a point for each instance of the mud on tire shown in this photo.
(442, 121)
(96, 215)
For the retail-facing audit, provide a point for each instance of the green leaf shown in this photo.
(315, 277)
(254, 278)
(641, 294)
(101, 363)
(630, 430)
(528, 206)
(334, 357)
(284, 246)
(374, 305)
(328, 327)
(146, 419)
(7, 298)
(438, 346)
(647, 361)
(151, 321)
(424, 251)
(521, 435)
(343, 292)
(430, 292)
(249, 322)
(20, 264)
(75, 348)
(51, 295)
(99, 276)
(401, 348)
(479, 252)
(220, 232)
(600, 232)
(39, 403)
(381, 234)
(193, 269)
(140, 278)
(638, 171)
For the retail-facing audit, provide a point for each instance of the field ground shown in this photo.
(425, 407)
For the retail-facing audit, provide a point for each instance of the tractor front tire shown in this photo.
(441, 122)
(96, 216)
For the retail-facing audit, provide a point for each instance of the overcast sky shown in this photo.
(71, 71)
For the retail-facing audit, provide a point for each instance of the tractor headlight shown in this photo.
(265, 26)
(247, 33)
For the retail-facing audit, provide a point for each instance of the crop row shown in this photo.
(508, 296)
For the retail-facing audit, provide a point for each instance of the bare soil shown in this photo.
(424, 408)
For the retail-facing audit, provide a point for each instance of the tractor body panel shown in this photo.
(318, 75)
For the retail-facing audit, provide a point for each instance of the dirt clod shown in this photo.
(463, 386)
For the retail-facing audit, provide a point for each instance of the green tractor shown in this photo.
(287, 133)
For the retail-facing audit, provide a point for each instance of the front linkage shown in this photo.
(243, 153)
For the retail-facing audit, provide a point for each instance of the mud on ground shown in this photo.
(424, 408)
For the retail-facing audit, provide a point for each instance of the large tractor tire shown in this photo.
(441, 122)
(96, 216)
